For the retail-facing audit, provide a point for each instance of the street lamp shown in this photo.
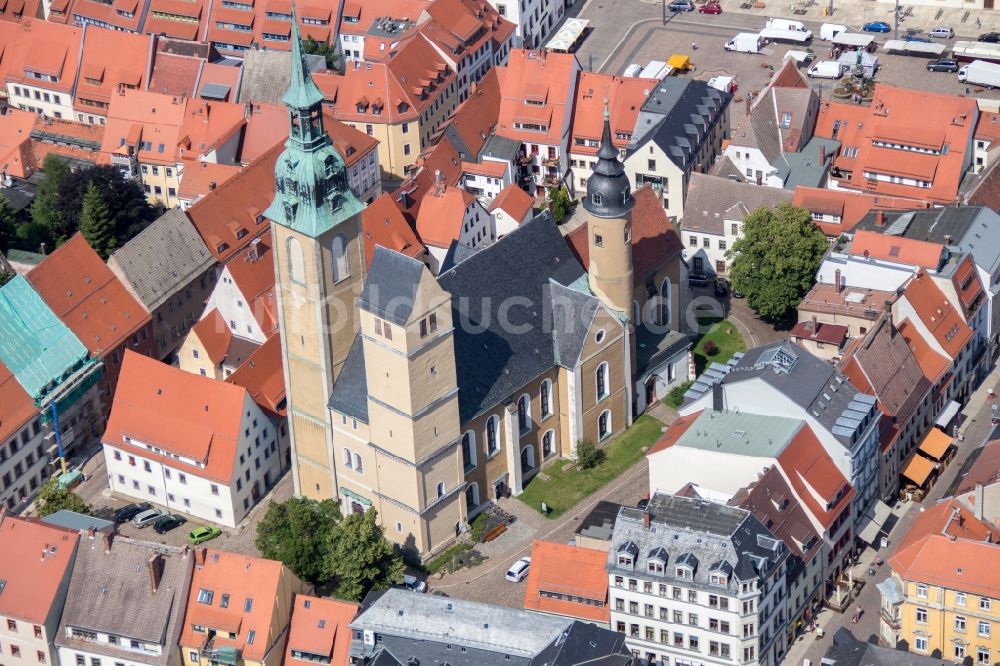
(895, 21)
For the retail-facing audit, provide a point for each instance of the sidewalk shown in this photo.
(975, 431)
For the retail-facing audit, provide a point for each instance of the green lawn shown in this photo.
(564, 488)
(725, 336)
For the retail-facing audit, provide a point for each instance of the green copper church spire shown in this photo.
(311, 192)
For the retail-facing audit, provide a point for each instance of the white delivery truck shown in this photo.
(826, 69)
(632, 70)
(980, 73)
(786, 24)
(793, 36)
(745, 42)
(828, 31)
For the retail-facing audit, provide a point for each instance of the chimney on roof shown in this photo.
(836, 281)
(106, 538)
(155, 567)
(947, 239)
(212, 185)
(199, 556)
(980, 497)
(888, 315)
(438, 182)
(961, 518)
(247, 109)
(645, 518)
(253, 254)
(822, 154)
(879, 218)
(815, 325)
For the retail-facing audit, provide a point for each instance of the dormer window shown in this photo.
(684, 573)
(625, 560)
(597, 199)
(718, 579)
(656, 561)
(627, 553)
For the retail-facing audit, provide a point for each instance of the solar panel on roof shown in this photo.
(842, 431)
(864, 398)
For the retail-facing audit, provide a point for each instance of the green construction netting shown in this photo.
(35, 346)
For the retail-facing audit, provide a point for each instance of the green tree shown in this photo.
(96, 224)
(8, 225)
(5, 277)
(53, 497)
(362, 559)
(560, 203)
(299, 532)
(312, 47)
(126, 201)
(774, 263)
(588, 456)
(45, 209)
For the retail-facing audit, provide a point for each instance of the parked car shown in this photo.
(916, 38)
(519, 570)
(710, 8)
(642, 504)
(413, 583)
(991, 37)
(876, 26)
(941, 32)
(146, 518)
(166, 523)
(203, 534)
(943, 65)
(721, 287)
(681, 6)
(129, 511)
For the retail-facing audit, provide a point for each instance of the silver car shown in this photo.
(146, 518)
(942, 32)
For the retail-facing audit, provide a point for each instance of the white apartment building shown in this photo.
(192, 444)
(24, 461)
(244, 293)
(125, 604)
(363, 177)
(696, 582)
(535, 19)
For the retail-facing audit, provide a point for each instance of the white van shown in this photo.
(826, 69)
(828, 31)
(786, 24)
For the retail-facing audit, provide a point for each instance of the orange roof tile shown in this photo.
(476, 118)
(897, 248)
(524, 72)
(988, 127)
(241, 200)
(18, 407)
(984, 471)
(262, 374)
(252, 270)
(514, 201)
(174, 73)
(51, 49)
(931, 363)
(561, 569)
(968, 286)
(84, 293)
(850, 206)
(208, 125)
(674, 432)
(439, 221)
(32, 582)
(351, 144)
(15, 10)
(812, 474)
(969, 566)
(187, 415)
(214, 335)
(383, 224)
(240, 577)
(491, 168)
(151, 122)
(15, 143)
(937, 313)
(199, 178)
(319, 626)
(181, 19)
(902, 116)
(625, 98)
(110, 58)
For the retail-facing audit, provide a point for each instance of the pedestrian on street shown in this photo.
(694, 46)
(979, 24)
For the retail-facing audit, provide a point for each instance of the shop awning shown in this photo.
(918, 469)
(947, 414)
(935, 444)
(873, 521)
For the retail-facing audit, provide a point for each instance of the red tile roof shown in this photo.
(514, 201)
(937, 313)
(848, 205)
(319, 626)
(32, 581)
(208, 125)
(237, 204)
(16, 10)
(174, 74)
(625, 98)
(110, 58)
(569, 571)
(537, 87)
(383, 224)
(187, 415)
(903, 116)
(16, 157)
(214, 335)
(84, 293)
(254, 23)
(439, 221)
(814, 477)
(181, 19)
(51, 48)
(252, 270)
(476, 118)
(124, 15)
(150, 122)
(18, 407)
(968, 566)
(199, 178)
(931, 363)
(896, 248)
(832, 334)
(984, 471)
(988, 127)
(240, 577)
(968, 286)
(262, 374)
(674, 432)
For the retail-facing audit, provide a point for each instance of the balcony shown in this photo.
(551, 181)
(525, 159)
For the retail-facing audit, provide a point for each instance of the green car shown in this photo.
(203, 534)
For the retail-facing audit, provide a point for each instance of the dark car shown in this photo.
(710, 8)
(942, 66)
(129, 511)
(642, 504)
(681, 6)
(916, 38)
(876, 26)
(721, 288)
(991, 37)
(164, 524)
